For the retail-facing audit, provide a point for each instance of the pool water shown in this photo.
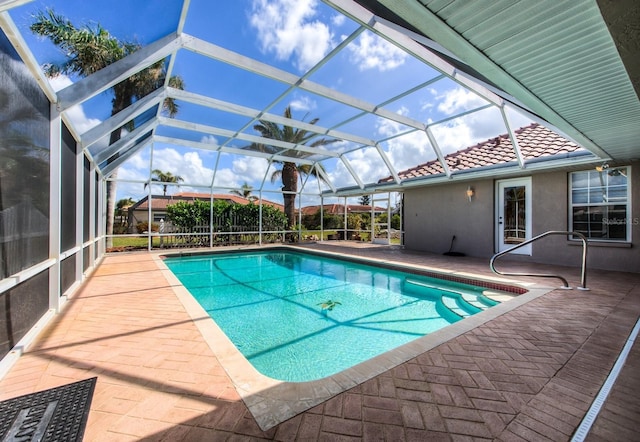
(300, 317)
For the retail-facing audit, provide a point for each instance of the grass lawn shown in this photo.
(142, 242)
(122, 243)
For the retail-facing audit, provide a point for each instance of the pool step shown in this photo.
(463, 303)
(478, 300)
(459, 306)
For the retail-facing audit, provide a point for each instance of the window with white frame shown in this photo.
(600, 204)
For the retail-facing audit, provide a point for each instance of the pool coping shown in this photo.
(272, 401)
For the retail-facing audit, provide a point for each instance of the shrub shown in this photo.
(329, 221)
(395, 220)
(187, 215)
(227, 216)
(143, 227)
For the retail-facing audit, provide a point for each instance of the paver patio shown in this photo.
(529, 374)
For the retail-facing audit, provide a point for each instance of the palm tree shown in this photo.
(165, 178)
(122, 207)
(90, 49)
(290, 171)
(245, 192)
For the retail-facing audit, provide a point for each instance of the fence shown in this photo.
(225, 232)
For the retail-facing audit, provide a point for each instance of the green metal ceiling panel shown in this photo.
(558, 53)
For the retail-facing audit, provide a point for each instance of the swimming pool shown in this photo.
(299, 317)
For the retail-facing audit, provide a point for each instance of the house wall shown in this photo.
(436, 213)
(433, 215)
(551, 212)
(142, 216)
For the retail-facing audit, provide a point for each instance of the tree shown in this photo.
(91, 48)
(364, 200)
(122, 205)
(290, 171)
(165, 178)
(245, 192)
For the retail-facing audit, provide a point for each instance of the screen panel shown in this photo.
(24, 169)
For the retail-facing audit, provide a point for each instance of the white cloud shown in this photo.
(188, 165)
(367, 164)
(458, 100)
(227, 178)
(80, 121)
(518, 120)
(467, 130)
(59, 82)
(388, 128)
(338, 20)
(139, 161)
(372, 52)
(303, 104)
(250, 169)
(209, 139)
(287, 28)
(453, 136)
(407, 150)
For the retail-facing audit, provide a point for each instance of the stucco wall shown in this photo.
(551, 213)
(434, 214)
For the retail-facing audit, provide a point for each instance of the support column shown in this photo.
(55, 135)
(79, 212)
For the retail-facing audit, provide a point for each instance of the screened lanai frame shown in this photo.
(105, 160)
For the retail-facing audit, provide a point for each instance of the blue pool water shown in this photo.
(270, 305)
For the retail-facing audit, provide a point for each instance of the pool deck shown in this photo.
(530, 373)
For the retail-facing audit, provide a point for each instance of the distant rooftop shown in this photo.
(160, 202)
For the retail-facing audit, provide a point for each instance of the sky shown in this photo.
(293, 36)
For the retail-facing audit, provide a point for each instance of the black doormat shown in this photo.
(57, 414)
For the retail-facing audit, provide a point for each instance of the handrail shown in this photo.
(583, 278)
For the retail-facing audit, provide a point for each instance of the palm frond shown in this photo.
(276, 175)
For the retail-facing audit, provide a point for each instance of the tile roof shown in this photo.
(535, 141)
(160, 202)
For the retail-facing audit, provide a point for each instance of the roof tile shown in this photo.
(534, 141)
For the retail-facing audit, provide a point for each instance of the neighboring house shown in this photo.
(559, 187)
(139, 212)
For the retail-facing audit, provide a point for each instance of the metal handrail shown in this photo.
(583, 278)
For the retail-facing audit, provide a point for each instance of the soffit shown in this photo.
(558, 58)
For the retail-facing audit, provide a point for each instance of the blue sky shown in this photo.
(292, 35)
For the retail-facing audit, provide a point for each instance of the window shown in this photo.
(600, 204)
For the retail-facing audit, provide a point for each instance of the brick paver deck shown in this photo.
(530, 374)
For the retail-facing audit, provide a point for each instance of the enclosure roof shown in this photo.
(392, 83)
(339, 209)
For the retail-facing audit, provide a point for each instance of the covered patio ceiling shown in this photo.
(395, 82)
